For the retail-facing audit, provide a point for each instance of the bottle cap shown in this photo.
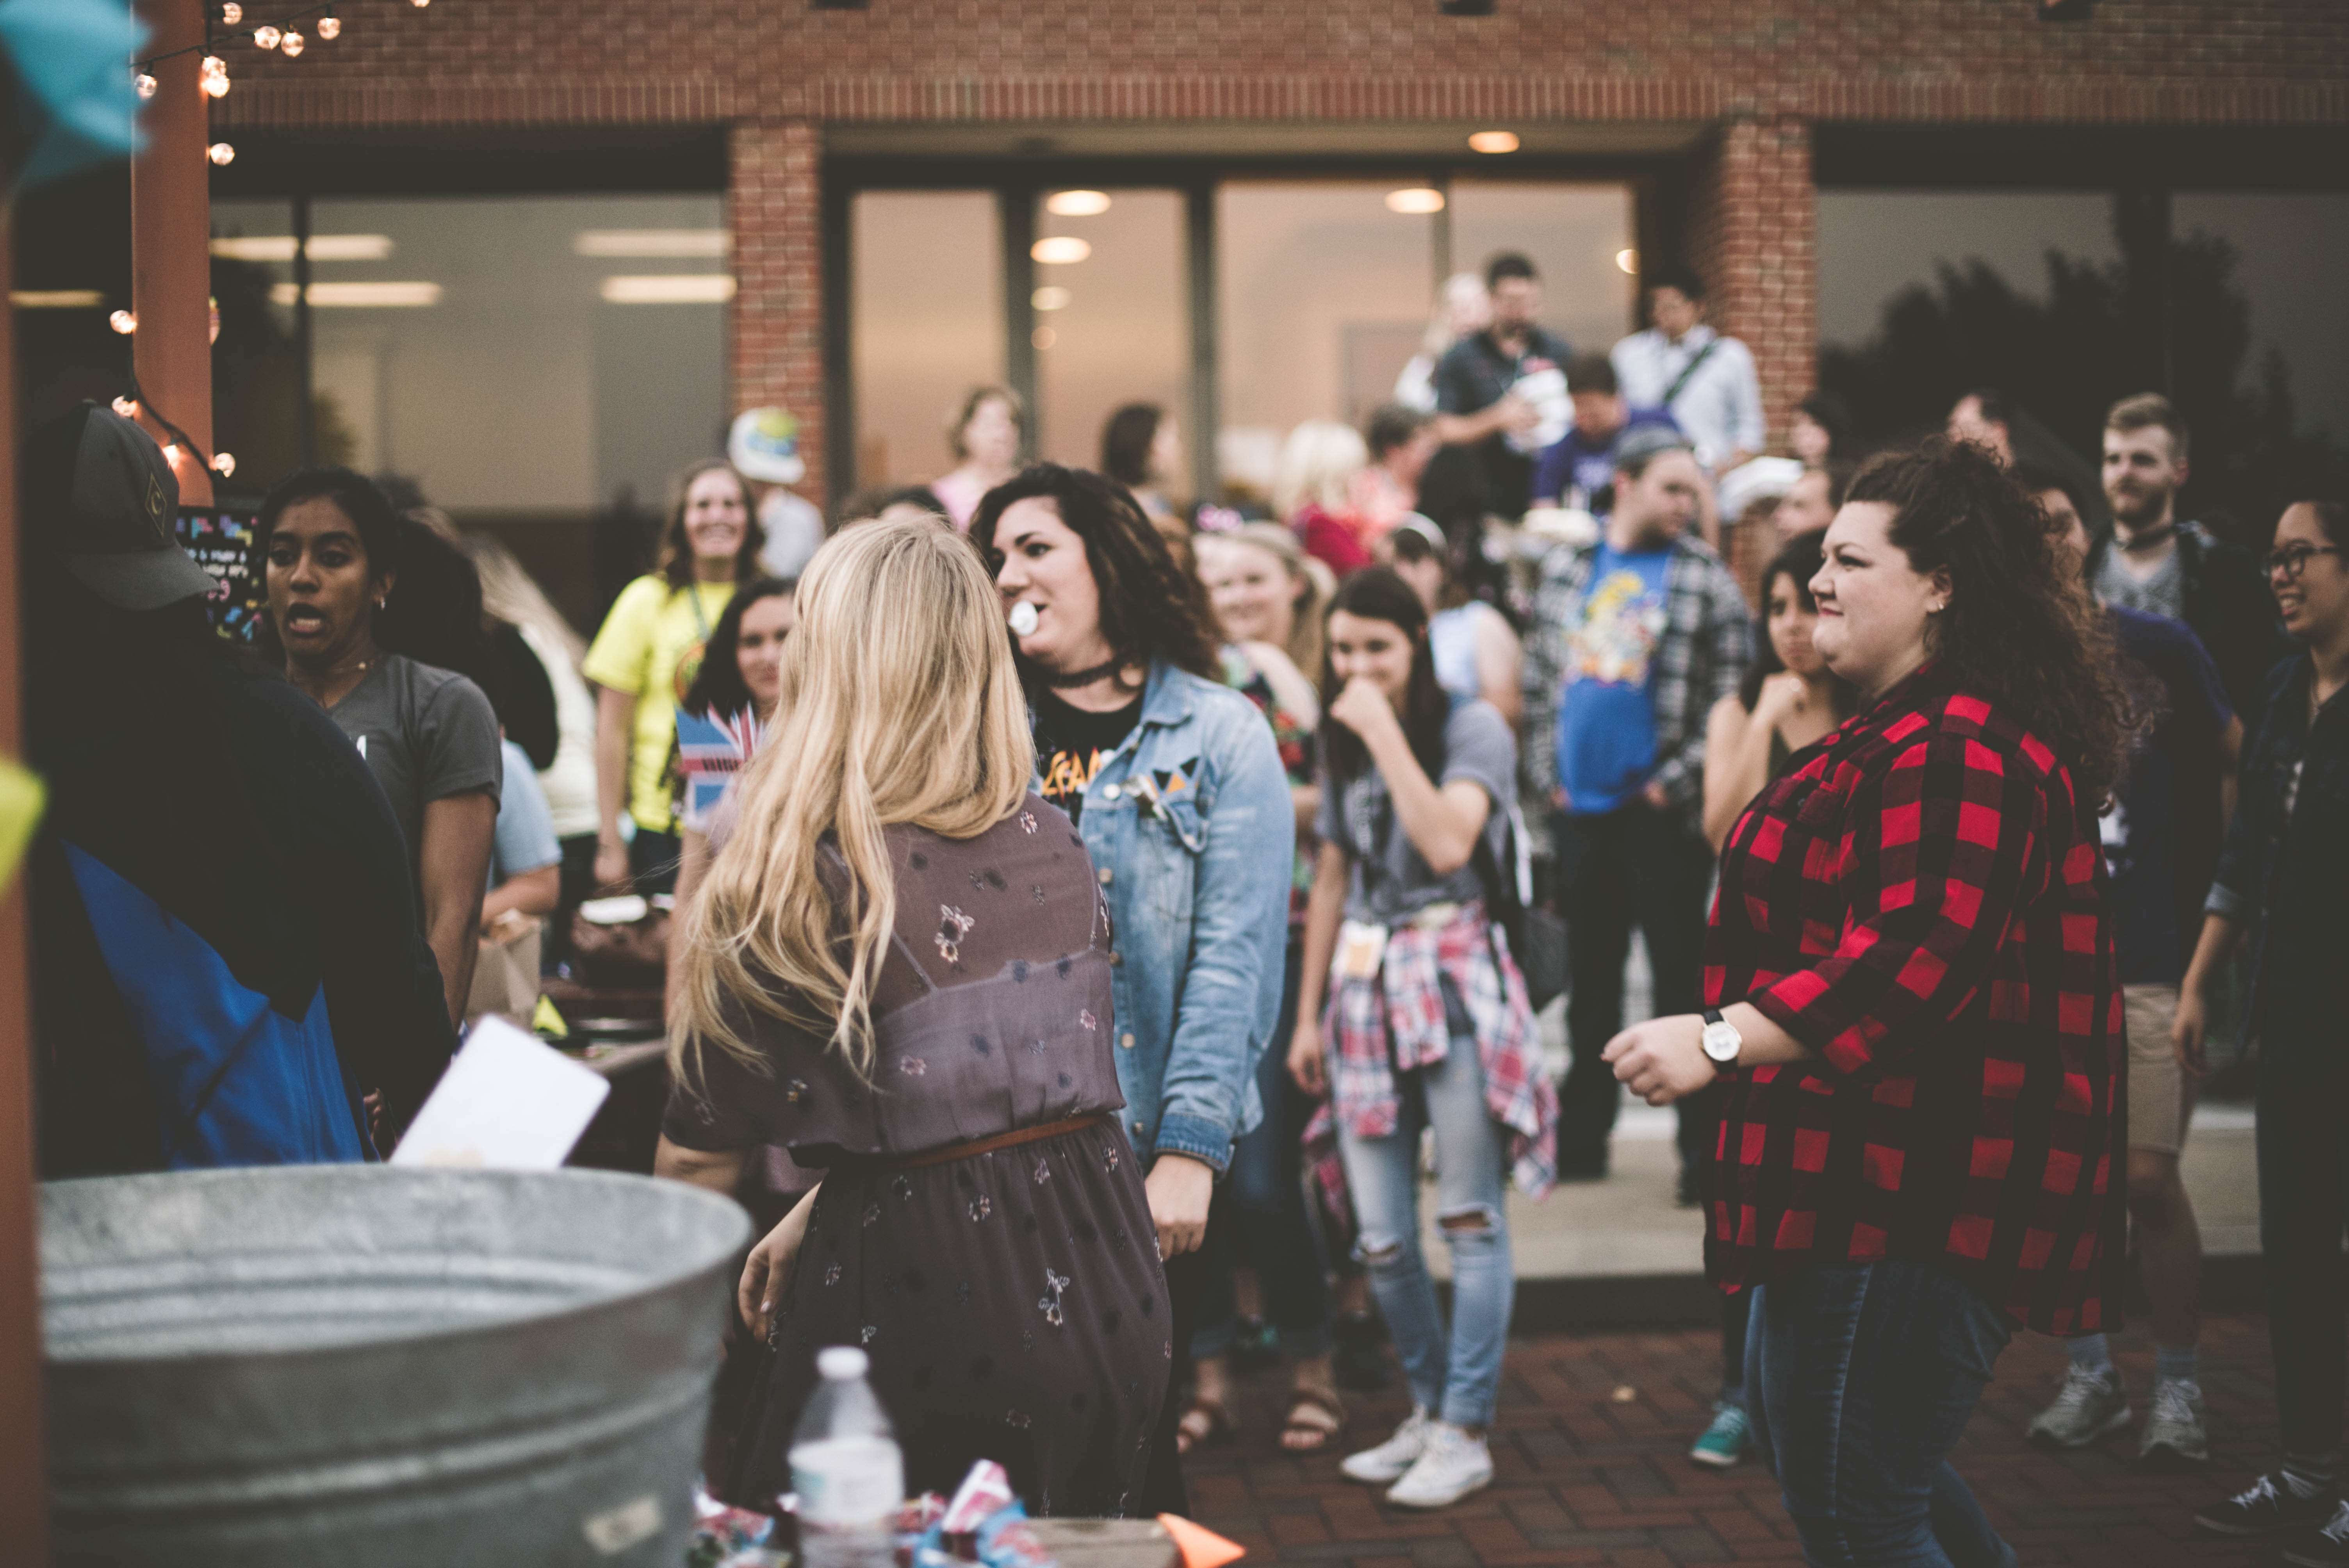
(840, 1362)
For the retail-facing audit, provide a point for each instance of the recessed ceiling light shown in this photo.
(1076, 204)
(650, 242)
(323, 248)
(1051, 296)
(1629, 261)
(1415, 200)
(356, 296)
(1494, 141)
(670, 288)
(56, 299)
(1060, 249)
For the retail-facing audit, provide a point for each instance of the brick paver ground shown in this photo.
(1590, 1444)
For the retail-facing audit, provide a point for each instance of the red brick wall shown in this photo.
(772, 204)
(1751, 234)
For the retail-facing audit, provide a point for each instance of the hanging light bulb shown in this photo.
(330, 27)
(232, 13)
(419, 4)
(266, 37)
(146, 85)
(172, 453)
(220, 153)
(291, 46)
(217, 86)
(123, 321)
(127, 407)
(214, 66)
(224, 463)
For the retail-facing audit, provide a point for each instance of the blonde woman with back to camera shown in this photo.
(899, 967)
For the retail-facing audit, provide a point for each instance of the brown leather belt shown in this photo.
(891, 1165)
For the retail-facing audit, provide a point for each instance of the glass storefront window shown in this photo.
(1112, 326)
(2287, 247)
(926, 324)
(1873, 245)
(1323, 293)
(1579, 238)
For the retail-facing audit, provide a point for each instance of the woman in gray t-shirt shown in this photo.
(330, 550)
(1427, 1023)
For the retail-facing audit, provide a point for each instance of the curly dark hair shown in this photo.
(1376, 593)
(1151, 609)
(2021, 628)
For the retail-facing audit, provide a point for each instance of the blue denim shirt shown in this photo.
(2284, 875)
(1191, 829)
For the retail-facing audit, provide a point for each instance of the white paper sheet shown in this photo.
(508, 1102)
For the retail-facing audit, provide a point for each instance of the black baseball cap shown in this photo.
(100, 497)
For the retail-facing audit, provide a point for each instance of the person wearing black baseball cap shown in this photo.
(225, 964)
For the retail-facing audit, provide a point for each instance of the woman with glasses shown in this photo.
(2280, 881)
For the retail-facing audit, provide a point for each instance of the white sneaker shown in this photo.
(2088, 1406)
(1389, 1461)
(2173, 1429)
(1453, 1465)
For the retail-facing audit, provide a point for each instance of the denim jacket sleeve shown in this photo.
(1230, 995)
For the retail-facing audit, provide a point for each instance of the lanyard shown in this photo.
(700, 615)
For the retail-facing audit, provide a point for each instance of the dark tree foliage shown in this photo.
(2094, 337)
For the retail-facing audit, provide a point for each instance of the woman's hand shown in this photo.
(1662, 1060)
(2188, 1028)
(1364, 709)
(1782, 695)
(766, 1273)
(1305, 1063)
(612, 864)
(1178, 1187)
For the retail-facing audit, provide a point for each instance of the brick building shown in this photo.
(875, 180)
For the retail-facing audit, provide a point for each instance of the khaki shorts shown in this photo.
(2160, 1095)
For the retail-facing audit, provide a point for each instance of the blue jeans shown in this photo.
(1456, 1376)
(1859, 1378)
(1264, 1198)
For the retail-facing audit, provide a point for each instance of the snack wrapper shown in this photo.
(1005, 1541)
(983, 1493)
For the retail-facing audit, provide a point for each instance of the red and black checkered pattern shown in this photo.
(1922, 902)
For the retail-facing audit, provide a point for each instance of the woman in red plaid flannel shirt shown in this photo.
(1916, 1012)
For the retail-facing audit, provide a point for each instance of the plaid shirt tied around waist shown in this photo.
(1405, 1006)
(1920, 899)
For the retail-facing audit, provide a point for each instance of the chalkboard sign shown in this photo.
(220, 538)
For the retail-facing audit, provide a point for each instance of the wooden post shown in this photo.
(170, 245)
(24, 1417)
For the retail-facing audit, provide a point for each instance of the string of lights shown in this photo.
(281, 37)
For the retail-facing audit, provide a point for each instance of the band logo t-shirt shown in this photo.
(1071, 745)
(1606, 721)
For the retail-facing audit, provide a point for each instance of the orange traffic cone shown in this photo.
(1201, 1547)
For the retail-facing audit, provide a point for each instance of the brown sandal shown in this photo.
(1212, 1425)
(1306, 1435)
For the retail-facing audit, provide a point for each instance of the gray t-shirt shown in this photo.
(2162, 593)
(1389, 880)
(427, 734)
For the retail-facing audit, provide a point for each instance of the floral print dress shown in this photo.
(1012, 1302)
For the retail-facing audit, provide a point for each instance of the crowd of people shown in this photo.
(1091, 917)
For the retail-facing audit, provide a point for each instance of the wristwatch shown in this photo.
(1721, 1040)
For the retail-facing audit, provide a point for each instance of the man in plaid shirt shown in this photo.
(1634, 638)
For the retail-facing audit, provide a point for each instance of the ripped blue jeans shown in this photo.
(1456, 1376)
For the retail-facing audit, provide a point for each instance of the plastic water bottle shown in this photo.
(845, 1467)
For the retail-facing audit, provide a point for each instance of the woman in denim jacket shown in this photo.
(1178, 791)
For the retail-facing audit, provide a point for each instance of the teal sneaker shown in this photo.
(1724, 1442)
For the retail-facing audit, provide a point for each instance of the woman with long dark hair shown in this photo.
(647, 655)
(1142, 448)
(1914, 1012)
(1427, 1021)
(364, 609)
(1179, 795)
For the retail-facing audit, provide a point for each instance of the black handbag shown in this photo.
(1537, 937)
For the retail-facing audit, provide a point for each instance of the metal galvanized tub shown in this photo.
(331, 1364)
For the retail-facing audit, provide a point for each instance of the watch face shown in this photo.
(1721, 1042)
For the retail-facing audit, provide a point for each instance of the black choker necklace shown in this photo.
(2147, 540)
(1076, 678)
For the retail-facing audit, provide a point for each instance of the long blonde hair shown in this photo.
(901, 705)
(1318, 462)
